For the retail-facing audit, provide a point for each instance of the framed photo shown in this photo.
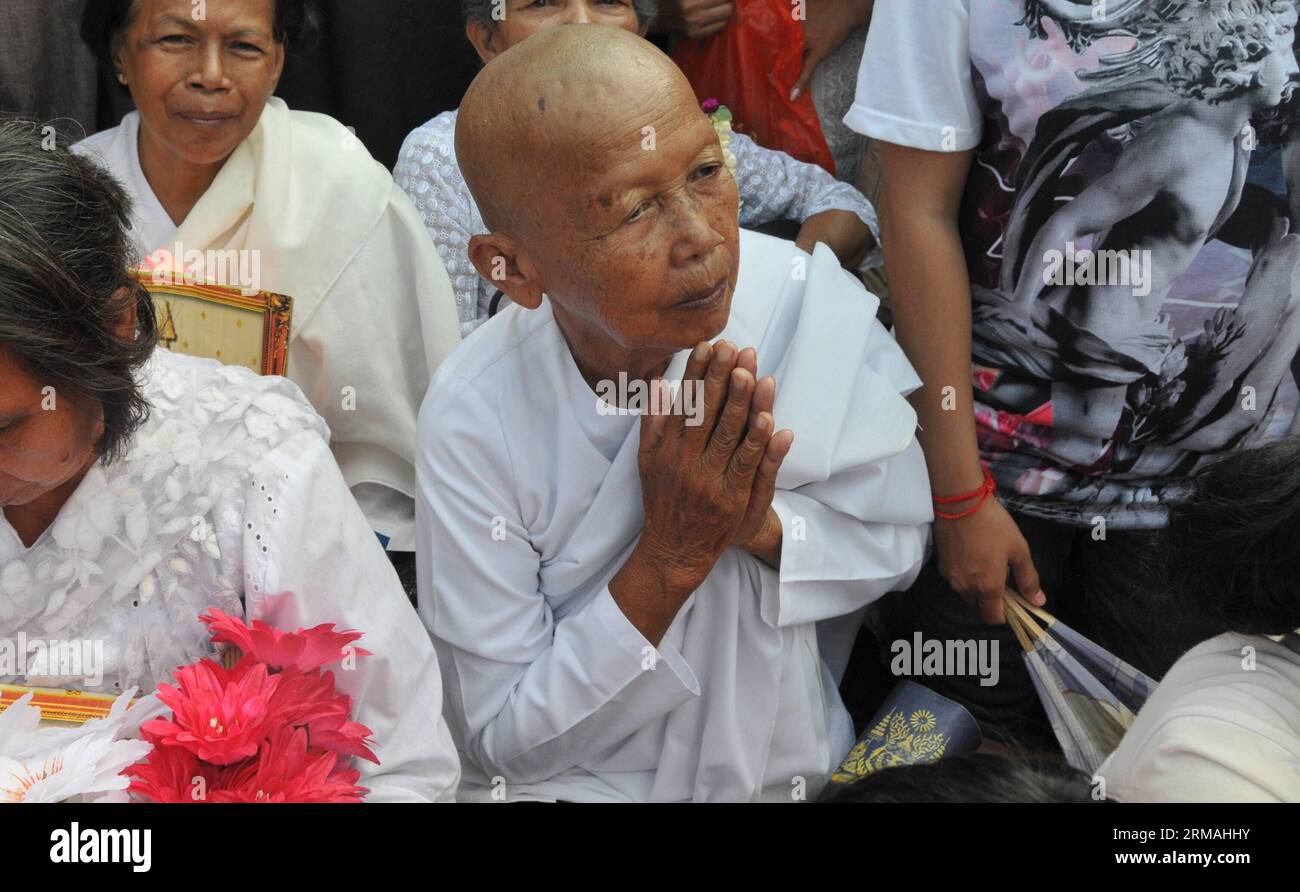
(64, 707)
(234, 327)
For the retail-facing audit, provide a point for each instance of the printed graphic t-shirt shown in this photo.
(1128, 225)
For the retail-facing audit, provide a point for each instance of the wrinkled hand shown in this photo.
(760, 520)
(841, 231)
(828, 25)
(698, 19)
(703, 485)
(974, 554)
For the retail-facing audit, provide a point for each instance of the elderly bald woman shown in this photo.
(651, 607)
(138, 487)
(213, 162)
(773, 186)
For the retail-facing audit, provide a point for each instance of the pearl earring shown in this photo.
(121, 78)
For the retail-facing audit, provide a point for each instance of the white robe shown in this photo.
(1217, 728)
(530, 501)
(373, 307)
(228, 497)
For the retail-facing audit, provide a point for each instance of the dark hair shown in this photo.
(64, 285)
(976, 777)
(1232, 550)
(102, 21)
(481, 11)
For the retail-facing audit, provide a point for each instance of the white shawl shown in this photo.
(373, 311)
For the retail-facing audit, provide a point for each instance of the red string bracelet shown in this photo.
(986, 489)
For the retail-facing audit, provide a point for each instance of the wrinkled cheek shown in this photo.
(629, 299)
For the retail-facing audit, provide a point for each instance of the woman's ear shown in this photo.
(129, 321)
(117, 49)
(499, 260)
(484, 39)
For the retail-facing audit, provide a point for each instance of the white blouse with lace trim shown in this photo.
(773, 186)
(227, 497)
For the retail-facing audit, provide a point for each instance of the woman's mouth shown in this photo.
(705, 300)
(209, 120)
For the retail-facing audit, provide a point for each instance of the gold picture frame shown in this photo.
(235, 327)
(67, 707)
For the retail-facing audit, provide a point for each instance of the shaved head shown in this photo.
(552, 100)
(606, 191)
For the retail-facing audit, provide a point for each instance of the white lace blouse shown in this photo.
(228, 497)
(773, 186)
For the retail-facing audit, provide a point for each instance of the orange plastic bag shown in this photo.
(750, 67)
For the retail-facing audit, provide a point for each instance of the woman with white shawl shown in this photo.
(214, 163)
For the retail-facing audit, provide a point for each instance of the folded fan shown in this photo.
(1091, 696)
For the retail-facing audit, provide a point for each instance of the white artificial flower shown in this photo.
(48, 764)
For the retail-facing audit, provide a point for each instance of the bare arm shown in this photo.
(930, 287)
(929, 284)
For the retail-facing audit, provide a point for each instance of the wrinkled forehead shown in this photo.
(650, 141)
(218, 15)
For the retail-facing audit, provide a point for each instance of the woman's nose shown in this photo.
(693, 234)
(211, 73)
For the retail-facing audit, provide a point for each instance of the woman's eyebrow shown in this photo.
(175, 21)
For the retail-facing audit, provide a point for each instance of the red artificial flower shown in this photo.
(173, 774)
(304, 650)
(286, 770)
(218, 715)
(310, 700)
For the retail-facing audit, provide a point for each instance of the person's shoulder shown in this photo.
(1232, 652)
(1247, 684)
(767, 266)
(109, 146)
(510, 353)
(267, 407)
(427, 159)
(438, 131)
(96, 141)
(321, 142)
(776, 275)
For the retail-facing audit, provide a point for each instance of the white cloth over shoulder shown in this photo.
(228, 497)
(1222, 726)
(773, 186)
(373, 311)
(530, 502)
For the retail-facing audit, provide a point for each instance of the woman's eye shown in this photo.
(174, 39)
(707, 171)
(247, 48)
(640, 212)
